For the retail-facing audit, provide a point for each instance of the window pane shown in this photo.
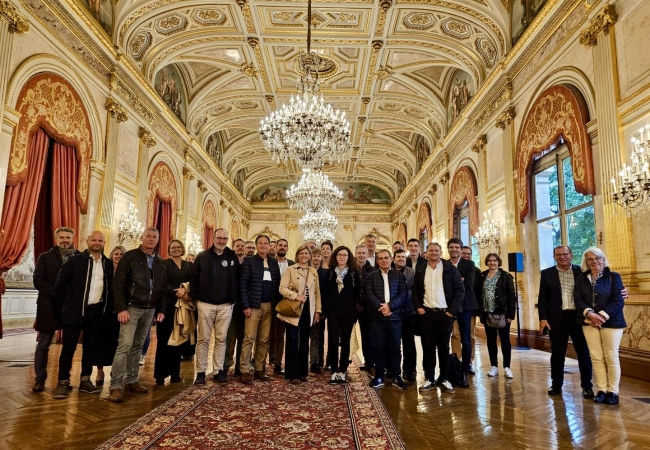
(581, 230)
(550, 236)
(572, 198)
(547, 200)
(464, 230)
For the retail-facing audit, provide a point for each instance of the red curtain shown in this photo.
(208, 236)
(162, 220)
(65, 209)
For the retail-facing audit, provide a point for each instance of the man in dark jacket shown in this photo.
(408, 321)
(386, 293)
(138, 289)
(259, 286)
(365, 322)
(463, 323)
(47, 322)
(557, 315)
(214, 284)
(235, 338)
(466, 253)
(414, 260)
(82, 292)
(276, 335)
(438, 294)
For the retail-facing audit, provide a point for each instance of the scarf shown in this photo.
(66, 252)
(340, 274)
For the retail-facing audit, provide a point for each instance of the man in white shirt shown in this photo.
(438, 294)
(81, 295)
(371, 244)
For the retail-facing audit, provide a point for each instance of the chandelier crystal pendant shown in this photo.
(633, 187)
(313, 192)
(129, 228)
(307, 130)
(318, 226)
(488, 235)
(195, 245)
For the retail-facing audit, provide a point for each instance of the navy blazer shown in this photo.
(374, 290)
(452, 283)
(606, 296)
(549, 299)
(467, 271)
(251, 278)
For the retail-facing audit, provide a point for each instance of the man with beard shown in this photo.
(273, 248)
(82, 293)
(408, 318)
(250, 248)
(235, 336)
(276, 336)
(45, 274)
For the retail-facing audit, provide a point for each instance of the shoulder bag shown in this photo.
(291, 308)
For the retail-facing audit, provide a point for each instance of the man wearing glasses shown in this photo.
(214, 284)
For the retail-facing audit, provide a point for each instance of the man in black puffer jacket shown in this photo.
(138, 288)
(259, 286)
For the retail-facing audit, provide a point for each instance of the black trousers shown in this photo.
(321, 339)
(386, 335)
(559, 336)
(168, 357)
(365, 325)
(296, 354)
(493, 350)
(436, 333)
(339, 332)
(408, 345)
(90, 326)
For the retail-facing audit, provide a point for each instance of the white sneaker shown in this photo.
(142, 358)
(493, 372)
(446, 386)
(342, 379)
(427, 386)
(335, 378)
(508, 373)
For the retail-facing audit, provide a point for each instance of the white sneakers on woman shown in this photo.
(493, 372)
(335, 378)
(508, 373)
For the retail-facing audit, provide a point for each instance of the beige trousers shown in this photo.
(603, 346)
(456, 346)
(257, 328)
(211, 317)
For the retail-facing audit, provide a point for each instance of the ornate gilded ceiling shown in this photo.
(401, 71)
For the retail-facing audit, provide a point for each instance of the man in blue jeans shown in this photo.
(138, 288)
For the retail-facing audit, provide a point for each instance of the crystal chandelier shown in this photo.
(129, 228)
(633, 188)
(318, 226)
(195, 245)
(313, 192)
(307, 130)
(488, 234)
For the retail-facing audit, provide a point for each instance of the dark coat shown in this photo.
(46, 271)
(452, 284)
(549, 299)
(131, 285)
(72, 288)
(201, 277)
(409, 307)
(421, 261)
(467, 271)
(374, 290)
(363, 271)
(478, 288)
(505, 298)
(250, 281)
(605, 297)
(342, 303)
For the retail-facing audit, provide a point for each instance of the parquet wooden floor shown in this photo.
(493, 413)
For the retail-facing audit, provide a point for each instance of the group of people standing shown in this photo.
(256, 303)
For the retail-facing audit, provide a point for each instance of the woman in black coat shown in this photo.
(498, 299)
(168, 357)
(599, 302)
(343, 291)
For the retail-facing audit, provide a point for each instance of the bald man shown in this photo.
(82, 293)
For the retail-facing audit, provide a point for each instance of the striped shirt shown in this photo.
(567, 282)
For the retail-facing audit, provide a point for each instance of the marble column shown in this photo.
(617, 233)
(146, 142)
(116, 115)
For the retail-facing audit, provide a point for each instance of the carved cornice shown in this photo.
(444, 178)
(146, 137)
(502, 95)
(246, 224)
(231, 211)
(202, 187)
(433, 189)
(17, 22)
(194, 162)
(115, 110)
(601, 23)
(222, 204)
(187, 173)
(480, 143)
(505, 117)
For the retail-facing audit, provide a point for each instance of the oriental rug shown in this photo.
(273, 415)
(18, 331)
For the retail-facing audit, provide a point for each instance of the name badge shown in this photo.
(224, 263)
(267, 276)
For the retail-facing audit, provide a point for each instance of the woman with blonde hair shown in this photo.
(299, 284)
(599, 302)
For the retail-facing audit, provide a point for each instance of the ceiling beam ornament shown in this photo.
(246, 11)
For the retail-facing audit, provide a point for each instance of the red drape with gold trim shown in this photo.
(162, 220)
(65, 209)
(208, 236)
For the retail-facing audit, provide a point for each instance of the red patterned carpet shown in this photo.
(275, 415)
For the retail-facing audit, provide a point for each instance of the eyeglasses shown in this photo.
(176, 248)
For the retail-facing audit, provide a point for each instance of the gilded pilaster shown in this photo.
(146, 141)
(512, 235)
(188, 176)
(617, 235)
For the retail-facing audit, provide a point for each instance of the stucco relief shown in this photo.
(637, 334)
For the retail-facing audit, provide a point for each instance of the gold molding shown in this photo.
(115, 110)
(146, 137)
(187, 173)
(480, 143)
(505, 117)
(17, 22)
(605, 19)
(444, 178)
(202, 186)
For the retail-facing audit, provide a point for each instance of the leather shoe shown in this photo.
(260, 375)
(471, 370)
(588, 393)
(246, 378)
(304, 379)
(278, 370)
(611, 398)
(555, 391)
(116, 396)
(600, 397)
(315, 369)
(295, 381)
(137, 388)
(39, 386)
(463, 381)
